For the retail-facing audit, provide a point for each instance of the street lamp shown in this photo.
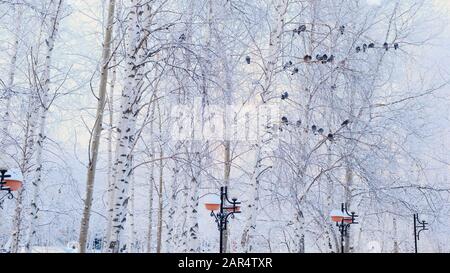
(418, 227)
(343, 220)
(226, 209)
(8, 185)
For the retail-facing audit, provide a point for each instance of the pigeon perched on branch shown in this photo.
(345, 123)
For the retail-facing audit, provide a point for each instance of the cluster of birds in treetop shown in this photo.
(324, 59)
(386, 46)
(314, 128)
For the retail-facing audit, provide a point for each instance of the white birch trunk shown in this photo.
(194, 245)
(18, 12)
(159, 233)
(44, 107)
(185, 217)
(127, 123)
(131, 212)
(151, 187)
(173, 208)
(93, 152)
(150, 207)
(111, 155)
(299, 233)
(26, 168)
(275, 47)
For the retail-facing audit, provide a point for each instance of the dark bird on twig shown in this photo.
(330, 137)
(342, 29)
(345, 123)
(324, 58)
(314, 128)
(364, 47)
(307, 58)
(331, 59)
(182, 37)
(248, 59)
(320, 131)
(301, 28)
(371, 45)
(295, 71)
(288, 64)
(319, 57)
(386, 46)
(284, 120)
(285, 95)
(358, 49)
(396, 46)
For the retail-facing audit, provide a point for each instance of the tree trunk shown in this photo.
(43, 88)
(396, 248)
(18, 12)
(27, 155)
(129, 109)
(4, 134)
(226, 178)
(160, 187)
(252, 207)
(151, 186)
(111, 154)
(160, 204)
(131, 212)
(348, 200)
(173, 208)
(93, 153)
(275, 46)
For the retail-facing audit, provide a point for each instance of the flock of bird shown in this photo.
(315, 129)
(386, 46)
(324, 59)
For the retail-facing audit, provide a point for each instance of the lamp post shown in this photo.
(418, 227)
(8, 185)
(226, 209)
(343, 220)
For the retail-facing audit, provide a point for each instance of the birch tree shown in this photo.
(43, 90)
(98, 125)
(269, 65)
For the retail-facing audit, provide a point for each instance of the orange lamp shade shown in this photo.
(337, 218)
(13, 185)
(238, 208)
(348, 220)
(212, 206)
